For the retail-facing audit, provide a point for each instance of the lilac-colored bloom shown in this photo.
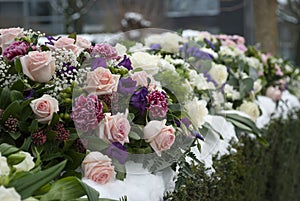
(118, 151)
(67, 72)
(155, 46)
(98, 62)
(87, 112)
(196, 52)
(28, 94)
(126, 86)
(15, 49)
(198, 135)
(51, 39)
(126, 63)
(158, 105)
(186, 122)
(210, 44)
(105, 50)
(139, 99)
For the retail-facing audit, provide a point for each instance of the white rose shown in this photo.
(255, 63)
(121, 49)
(257, 86)
(27, 164)
(9, 194)
(4, 168)
(199, 81)
(250, 109)
(219, 73)
(147, 62)
(197, 110)
(165, 65)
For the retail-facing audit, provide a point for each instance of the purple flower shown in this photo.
(158, 105)
(155, 47)
(126, 63)
(28, 94)
(15, 49)
(51, 39)
(210, 44)
(67, 72)
(139, 99)
(118, 151)
(196, 52)
(98, 62)
(126, 86)
(186, 122)
(198, 135)
(105, 50)
(87, 113)
(210, 79)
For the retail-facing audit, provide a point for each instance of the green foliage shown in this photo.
(253, 173)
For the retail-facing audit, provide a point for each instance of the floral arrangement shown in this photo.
(92, 108)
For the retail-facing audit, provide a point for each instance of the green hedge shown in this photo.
(254, 172)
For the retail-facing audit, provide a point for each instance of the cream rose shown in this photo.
(68, 44)
(27, 164)
(9, 194)
(145, 61)
(141, 79)
(44, 108)
(250, 109)
(4, 168)
(274, 93)
(102, 81)
(82, 43)
(98, 168)
(197, 110)
(159, 136)
(115, 128)
(7, 36)
(219, 73)
(38, 66)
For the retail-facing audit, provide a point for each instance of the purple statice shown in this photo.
(126, 63)
(98, 62)
(139, 99)
(28, 94)
(18, 48)
(39, 138)
(105, 50)
(155, 46)
(210, 44)
(210, 79)
(62, 134)
(118, 151)
(51, 39)
(196, 52)
(186, 122)
(68, 72)
(126, 86)
(87, 113)
(158, 105)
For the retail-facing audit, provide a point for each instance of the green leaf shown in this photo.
(18, 85)
(246, 86)
(16, 95)
(15, 158)
(134, 135)
(11, 110)
(34, 126)
(91, 193)
(28, 184)
(73, 35)
(7, 149)
(4, 98)
(55, 119)
(96, 143)
(18, 65)
(15, 135)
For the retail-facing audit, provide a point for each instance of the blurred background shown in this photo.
(273, 25)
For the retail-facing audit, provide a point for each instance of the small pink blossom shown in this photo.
(158, 105)
(274, 93)
(144, 79)
(15, 49)
(105, 50)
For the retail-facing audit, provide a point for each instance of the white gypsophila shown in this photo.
(165, 65)
(251, 109)
(199, 81)
(6, 79)
(27, 164)
(197, 110)
(4, 168)
(218, 98)
(63, 56)
(9, 194)
(219, 73)
(231, 93)
(210, 51)
(175, 61)
(145, 61)
(255, 63)
(257, 86)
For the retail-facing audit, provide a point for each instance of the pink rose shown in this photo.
(274, 93)
(142, 77)
(115, 128)
(98, 168)
(38, 66)
(44, 108)
(68, 44)
(82, 42)
(7, 36)
(102, 81)
(160, 136)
